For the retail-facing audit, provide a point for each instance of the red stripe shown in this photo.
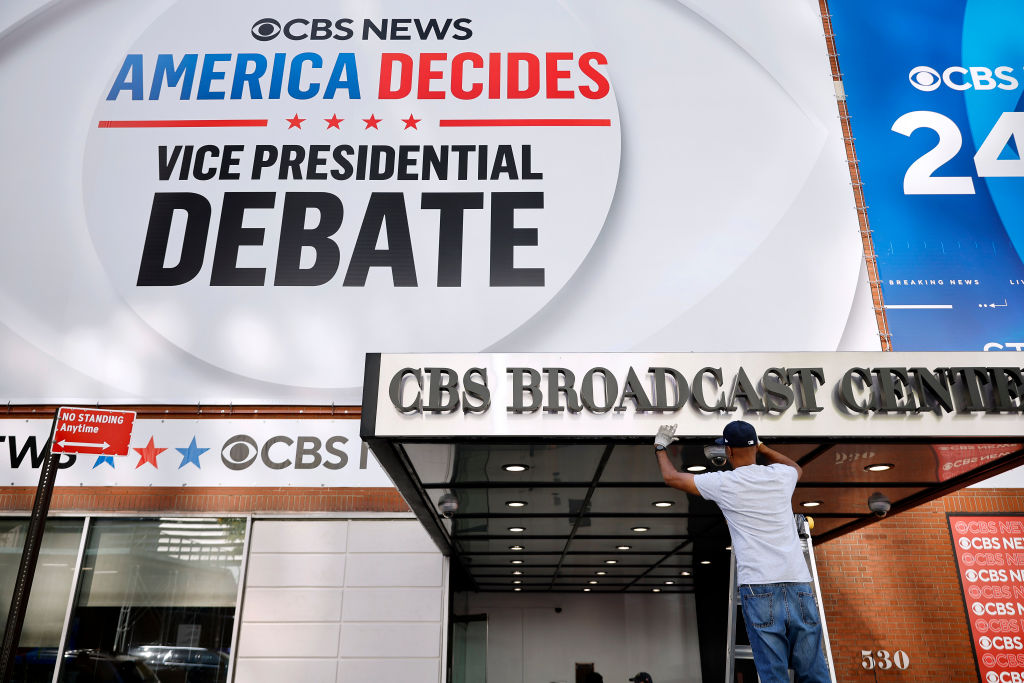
(186, 123)
(465, 123)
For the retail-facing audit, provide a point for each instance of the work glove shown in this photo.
(665, 436)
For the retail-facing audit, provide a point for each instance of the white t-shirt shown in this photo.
(757, 503)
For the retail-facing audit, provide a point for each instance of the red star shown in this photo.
(295, 122)
(411, 122)
(333, 122)
(372, 122)
(148, 454)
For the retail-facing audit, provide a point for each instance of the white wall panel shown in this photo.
(264, 670)
(275, 604)
(289, 640)
(393, 640)
(377, 569)
(314, 536)
(296, 569)
(392, 604)
(406, 670)
(335, 600)
(385, 537)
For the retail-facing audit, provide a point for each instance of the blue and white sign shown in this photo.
(935, 98)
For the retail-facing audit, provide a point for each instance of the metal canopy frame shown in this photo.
(490, 570)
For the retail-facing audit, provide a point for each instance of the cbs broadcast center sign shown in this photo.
(833, 395)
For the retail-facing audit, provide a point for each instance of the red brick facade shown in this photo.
(160, 499)
(894, 586)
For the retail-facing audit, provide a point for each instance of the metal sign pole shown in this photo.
(29, 557)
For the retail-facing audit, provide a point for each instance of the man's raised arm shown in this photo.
(775, 457)
(677, 480)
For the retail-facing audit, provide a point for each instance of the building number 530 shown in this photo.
(881, 659)
(919, 178)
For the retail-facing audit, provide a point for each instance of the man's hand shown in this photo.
(666, 435)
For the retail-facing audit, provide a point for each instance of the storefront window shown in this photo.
(156, 601)
(48, 602)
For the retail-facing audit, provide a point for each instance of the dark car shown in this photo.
(96, 666)
(184, 664)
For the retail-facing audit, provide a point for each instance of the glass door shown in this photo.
(469, 649)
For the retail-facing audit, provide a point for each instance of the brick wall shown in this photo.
(160, 499)
(894, 586)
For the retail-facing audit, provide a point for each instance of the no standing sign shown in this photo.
(93, 431)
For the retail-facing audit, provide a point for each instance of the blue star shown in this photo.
(108, 459)
(191, 454)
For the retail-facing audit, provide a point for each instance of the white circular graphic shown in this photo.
(978, 608)
(287, 189)
(971, 575)
(992, 677)
(985, 642)
(925, 78)
(965, 543)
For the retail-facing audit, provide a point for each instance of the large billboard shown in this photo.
(935, 98)
(235, 201)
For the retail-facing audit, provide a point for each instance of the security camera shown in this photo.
(448, 505)
(715, 454)
(879, 504)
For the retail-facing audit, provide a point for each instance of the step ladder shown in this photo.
(736, 651)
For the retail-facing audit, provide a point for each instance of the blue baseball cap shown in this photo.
(738, 434)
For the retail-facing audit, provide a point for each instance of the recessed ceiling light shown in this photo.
(517, 573)
(663, 503)
(655, 590)
(516, 529)
(516, 503)
(705, 561)
(669, 583)
(610, 561)
(641, 529)
(592, 583)
(728, 547)
(811, 503)
(684, 573)
(696, 468)
(623, 547)
(517, 581)
(601, 573)
(880, 467)
(515, 468)
(586, 590)
(517, 561)
(517, 589)
(515, 547)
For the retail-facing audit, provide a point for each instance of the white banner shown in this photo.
(205, 452)
(234, 201)
(814, 395)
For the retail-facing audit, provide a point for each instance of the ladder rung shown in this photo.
(743, 652)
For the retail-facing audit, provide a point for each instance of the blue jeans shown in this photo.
(784, 630)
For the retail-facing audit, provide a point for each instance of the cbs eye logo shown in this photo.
(239, 452)
(266, 29)
(922, 77)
